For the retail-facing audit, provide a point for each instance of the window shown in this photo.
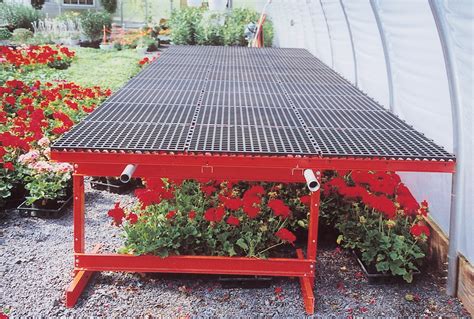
(79, 2)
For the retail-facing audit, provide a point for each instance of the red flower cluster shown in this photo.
(382, 204)
(170, 214)
(305, 200)
(279, 208)
(30, 112)
(117, 213)
(286, 235)
(406, 200)
(378, 191)
(154, 193)
(417, 230)
(232, 220)
(214, 214)
(146, 60)
(34, 55)
(252, 200)
(132, 218)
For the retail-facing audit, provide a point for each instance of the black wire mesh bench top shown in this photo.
(248, 101)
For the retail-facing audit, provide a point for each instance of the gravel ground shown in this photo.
(36, 267)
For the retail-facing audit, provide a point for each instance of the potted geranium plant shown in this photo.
(48, 183)
(380, 220)
(214, 219)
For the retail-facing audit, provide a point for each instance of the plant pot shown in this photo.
(106, 46)
(113, 185)
(375, 277)
(45, 208)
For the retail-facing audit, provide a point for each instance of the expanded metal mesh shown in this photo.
(246, 100)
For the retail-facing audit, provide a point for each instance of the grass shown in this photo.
(107, 69)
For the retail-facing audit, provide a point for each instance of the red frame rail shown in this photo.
(205, 167)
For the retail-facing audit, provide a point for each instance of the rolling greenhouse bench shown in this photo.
(236, 114)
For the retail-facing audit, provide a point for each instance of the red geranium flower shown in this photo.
(192, 214)
(417, 230)
(406, 200)
(251, 211)
(214, 214)
(170, 214)
(380, 203)
(208, 190)
(279, 208)
(286, 235)
(256, 190)
(117, 214)
(305, 200)
(232, 203)
(132, 218)
(147, 197)
(352, 192)
(232, 220)
(9, 166)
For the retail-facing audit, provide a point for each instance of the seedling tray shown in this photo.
(112, 188)
(26, 210)
(381, 278)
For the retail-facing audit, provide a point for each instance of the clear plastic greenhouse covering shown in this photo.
(393, 51)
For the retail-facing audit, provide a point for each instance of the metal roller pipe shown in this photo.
(311, 180)
(127, 173)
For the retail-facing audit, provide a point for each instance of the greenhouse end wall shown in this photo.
(420, 91)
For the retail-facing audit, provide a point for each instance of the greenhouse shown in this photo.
(230, 158)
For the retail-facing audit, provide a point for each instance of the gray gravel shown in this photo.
(36, 267)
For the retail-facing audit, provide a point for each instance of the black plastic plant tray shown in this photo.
(26, 210)
(381, 278)
(121, 188)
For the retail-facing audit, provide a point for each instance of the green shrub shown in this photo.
(93, 24)
(109, 5)
(183, 24)
(235, 25)
(5, 34)
(22, 35)
(19, 15)
(210, 31)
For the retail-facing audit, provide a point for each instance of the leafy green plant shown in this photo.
(210, 30)
(46, 180)
(109, 5)
(5, 34)
(380, 220)
(21, 35)
(93, 24)
(183, 24)
(19, 15)
(236, 23)
(223, 219)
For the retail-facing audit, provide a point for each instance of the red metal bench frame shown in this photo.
(212, 167)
